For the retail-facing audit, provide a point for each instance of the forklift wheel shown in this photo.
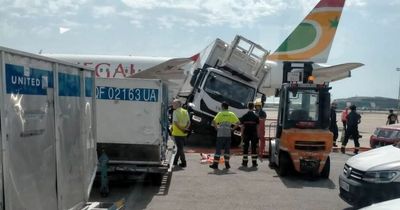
(325, 171)
(284, 164)
(271, 162)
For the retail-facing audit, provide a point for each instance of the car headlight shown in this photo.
(380, 176)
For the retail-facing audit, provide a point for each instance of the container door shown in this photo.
(89, 132)
(28, 139)
(69, 138)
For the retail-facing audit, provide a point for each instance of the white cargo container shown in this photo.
(132, 125)
(48, 148)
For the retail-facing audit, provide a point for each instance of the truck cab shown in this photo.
(231, 73)
(302, 141)
(215, 88)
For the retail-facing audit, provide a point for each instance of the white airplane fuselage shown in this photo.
(109, 66)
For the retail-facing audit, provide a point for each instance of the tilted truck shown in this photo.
(132, 126)
(226, 72)
(48, 135)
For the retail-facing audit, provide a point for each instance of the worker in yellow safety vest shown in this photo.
(225, 121)
(180, 128)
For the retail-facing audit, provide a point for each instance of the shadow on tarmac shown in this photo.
(350, 208)
(221, 172)
(138, 192)
(248, 169)
(303, 181)
(298, 180)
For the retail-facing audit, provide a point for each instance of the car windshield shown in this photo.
(387, 133)
(221, 88)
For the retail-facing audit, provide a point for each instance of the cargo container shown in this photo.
(48, 135)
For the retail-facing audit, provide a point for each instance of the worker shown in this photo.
(392, 118)
(353, 119)
(344, 114)
(343, 117)
(224, 122)
(262, 116)
(180, 128)
(333, 124)
(250, 123)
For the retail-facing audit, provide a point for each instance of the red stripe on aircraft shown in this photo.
(330, 3)
(195, 57)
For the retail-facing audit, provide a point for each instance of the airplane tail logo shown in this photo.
(312, 39)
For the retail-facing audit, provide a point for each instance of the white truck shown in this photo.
(232, 73)
(48, 135)
(132, 126)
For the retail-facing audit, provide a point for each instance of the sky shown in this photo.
(368, 31)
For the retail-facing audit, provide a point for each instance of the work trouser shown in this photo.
(223, 143)
(179, 141)
(343, 131)
(261, 134)
(247, 140)
(334, 129)
(353, 132)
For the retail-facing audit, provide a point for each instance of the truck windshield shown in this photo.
(221, 88)
(303, 105)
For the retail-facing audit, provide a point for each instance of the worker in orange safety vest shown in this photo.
(262, 116)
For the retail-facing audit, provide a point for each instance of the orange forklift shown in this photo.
(302, 141)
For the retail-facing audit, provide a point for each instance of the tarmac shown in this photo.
(199, 187)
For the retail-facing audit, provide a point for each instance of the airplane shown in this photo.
(309, 42)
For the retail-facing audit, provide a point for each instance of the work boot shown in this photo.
(342, 150)
(227, 165)
(214, 166)
(183, 164)
(244, 163)
(254, 165)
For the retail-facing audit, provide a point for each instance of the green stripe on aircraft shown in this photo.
(300, 38)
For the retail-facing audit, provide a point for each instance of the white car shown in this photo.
(386, 205)
(372, 176)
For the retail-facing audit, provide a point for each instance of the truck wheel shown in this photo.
(104, 192)
(327, 167)
(236, 140)
(156, 179)
(284, 164)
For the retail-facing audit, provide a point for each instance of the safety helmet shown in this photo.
(257, 102)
